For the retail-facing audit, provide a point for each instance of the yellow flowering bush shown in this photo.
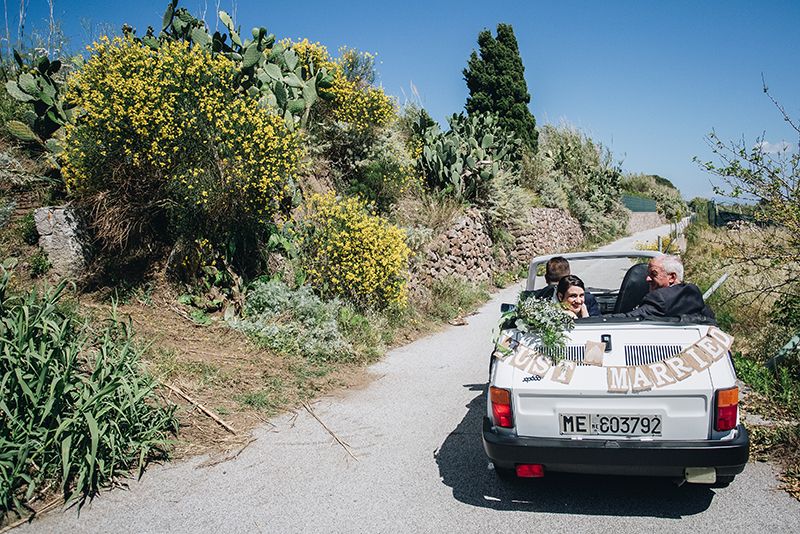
(165, 134)
(667, 244)
(311, 53)
(352, 253)
(354, 100)
(360, 106)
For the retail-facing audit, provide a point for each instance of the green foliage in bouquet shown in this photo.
(544, 318)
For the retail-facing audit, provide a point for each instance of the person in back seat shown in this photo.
(669, 296)
(557, 268)
(571, 293)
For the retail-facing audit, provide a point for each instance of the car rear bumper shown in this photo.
(622, 457)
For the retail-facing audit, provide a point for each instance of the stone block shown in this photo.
(62, 238)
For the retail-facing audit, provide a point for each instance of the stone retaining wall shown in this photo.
(546, 230)
(639, 221)
(466, 249)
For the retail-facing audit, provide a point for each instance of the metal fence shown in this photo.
(719, 216)
(639, 204)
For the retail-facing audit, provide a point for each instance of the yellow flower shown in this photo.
(214, 151)
(353, 253)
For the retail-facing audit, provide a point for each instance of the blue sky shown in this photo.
(648, 79)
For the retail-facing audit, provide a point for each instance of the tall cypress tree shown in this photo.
(496, 82)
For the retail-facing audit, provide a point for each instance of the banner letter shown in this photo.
(678, 367)
(541, 364)
(713, 347)
(697, 358)
(722, 337)
(593, 353)
(618, 379)
(660, 374)
(639, 379)
(563, 371)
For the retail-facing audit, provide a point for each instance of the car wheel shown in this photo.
(723, 481)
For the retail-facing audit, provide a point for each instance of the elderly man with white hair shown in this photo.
(669, 296)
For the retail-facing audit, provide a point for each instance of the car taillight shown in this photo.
(501, 407)
(530, 470)
(727, 407)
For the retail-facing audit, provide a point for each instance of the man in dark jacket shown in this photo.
(555, 269)
(669, 296)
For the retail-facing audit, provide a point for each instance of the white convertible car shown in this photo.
(624, 396)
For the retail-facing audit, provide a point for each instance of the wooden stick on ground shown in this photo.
(341, 442)
(212, 415)
(225, 457)
(43, 509)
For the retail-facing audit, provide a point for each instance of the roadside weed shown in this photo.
(78, 411)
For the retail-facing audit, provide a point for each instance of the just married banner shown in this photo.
(620, 379)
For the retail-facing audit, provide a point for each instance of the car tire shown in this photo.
(723, 481)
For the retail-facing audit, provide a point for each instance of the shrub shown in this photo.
(452, 296)
(163, 135)
(10, 109)
(386, 172)
(77, 410)
(39, 263)
(352, 253)
(27, 229)
(294, 321)
(6, 210)
(669, 202)
(362, 107)
(299, 323)
(572, 171)
(351, 99)
(311, 55)
(353, 132)
(463, 161)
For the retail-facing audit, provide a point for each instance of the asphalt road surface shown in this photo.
(415, 463)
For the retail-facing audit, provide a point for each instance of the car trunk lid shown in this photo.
(676, 409)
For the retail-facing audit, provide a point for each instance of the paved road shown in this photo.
(419, 467)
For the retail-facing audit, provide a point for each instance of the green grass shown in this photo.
(27, 229)
(260, 400)
(39, 263)
(452, 296)
(506, 278)
(269, 399)
(780, 386)
(205, 373)
(127, 292)
(78, 411)
(163, 363)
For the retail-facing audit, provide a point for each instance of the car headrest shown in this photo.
(633, 289)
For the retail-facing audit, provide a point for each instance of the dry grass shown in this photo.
(743, 305)
(222, 370)
(427, 210)
(244, 384)
(744, 301)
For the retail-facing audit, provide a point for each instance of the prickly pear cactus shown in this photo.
(39, 86)
(465, 159)
(266, 70)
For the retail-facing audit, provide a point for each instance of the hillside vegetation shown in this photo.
(759, 303)
(252, 190)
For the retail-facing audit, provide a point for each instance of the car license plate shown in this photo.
(609, 425)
